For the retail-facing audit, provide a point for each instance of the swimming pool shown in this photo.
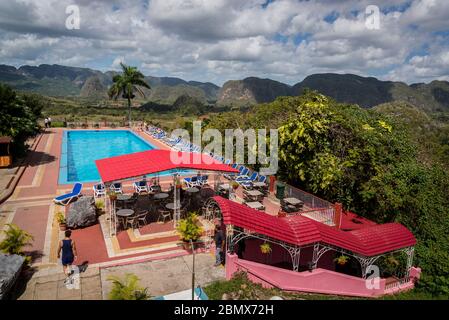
(80, 149)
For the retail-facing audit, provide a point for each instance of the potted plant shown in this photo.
(189, 229)
(265, 248)
(178, 183)
(62, 221)
(112, 195)
(99, 206)
(282, 214)
(235, 185)
(341, 260)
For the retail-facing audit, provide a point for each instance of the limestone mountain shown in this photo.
(251, 90)
(93, 87)
(63, 81)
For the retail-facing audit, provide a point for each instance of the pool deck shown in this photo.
(31, 208)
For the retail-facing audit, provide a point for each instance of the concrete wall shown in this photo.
(316, 281)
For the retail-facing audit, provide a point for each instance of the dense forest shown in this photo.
(388, 164)
(19, 116)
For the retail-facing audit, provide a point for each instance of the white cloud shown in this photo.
(231, 39)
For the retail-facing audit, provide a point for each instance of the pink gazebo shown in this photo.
(308, 247)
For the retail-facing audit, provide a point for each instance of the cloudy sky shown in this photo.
(218, 40)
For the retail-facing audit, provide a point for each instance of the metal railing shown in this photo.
(323, 215)
(310, 201)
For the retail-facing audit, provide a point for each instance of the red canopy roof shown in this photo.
(300, 230)
(153, 161)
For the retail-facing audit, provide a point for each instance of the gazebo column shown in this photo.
(295, 254)
(318, 251)
(366, 263)
(410, 254)
(230, 238)
(175, 200)
(109, 207)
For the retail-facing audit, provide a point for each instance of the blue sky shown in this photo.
(220, 40)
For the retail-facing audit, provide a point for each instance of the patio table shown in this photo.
(259, 184)
(293, 201)
(255, 205)
(254, 193)
(124, 197)
(171, 206)
(125, 212)
(160, 196)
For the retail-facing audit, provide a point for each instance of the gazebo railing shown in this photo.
(323, 215)
(309, 199)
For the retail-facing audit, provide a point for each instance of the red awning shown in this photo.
(154, 161)
(301, 231)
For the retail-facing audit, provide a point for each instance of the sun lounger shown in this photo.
(116, 187)
(203, 180)
(68, 197)
(231, 176)
(192, 181)
(140, 186)
(99, 190)
(245, 179)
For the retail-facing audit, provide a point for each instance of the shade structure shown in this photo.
(138, 164)
(301, 231)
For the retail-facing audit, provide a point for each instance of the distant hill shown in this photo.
(364, 91)
(93, 87)
(251, 90)
(63, 81)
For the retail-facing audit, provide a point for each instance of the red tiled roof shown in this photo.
(153, 161)
(352, 221)
(300, 230)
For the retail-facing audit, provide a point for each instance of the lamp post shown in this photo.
(193, 269)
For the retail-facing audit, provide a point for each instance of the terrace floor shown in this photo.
(31, 208)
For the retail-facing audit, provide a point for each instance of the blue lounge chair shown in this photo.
(203, 180)
(116, 187)
(191, 181)
(68, 197)
(99, 190)
(228, 162)
(140, 186)
(262, 178)
(243, 174)
(243, 179)
(231, 176)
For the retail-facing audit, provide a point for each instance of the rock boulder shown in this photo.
(10, 267)
(82, 213)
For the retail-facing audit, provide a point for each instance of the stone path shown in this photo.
(161, 277)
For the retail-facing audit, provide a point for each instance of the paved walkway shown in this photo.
(161, 277)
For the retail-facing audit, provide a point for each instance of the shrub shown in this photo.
(189, 228)
(265, 248)
(61, 218)
(127, 289)
(16, 239)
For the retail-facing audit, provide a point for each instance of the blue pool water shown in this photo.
(80, 149)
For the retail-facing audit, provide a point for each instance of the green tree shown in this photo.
(127, 289)
(126, 84)
(18, 117)
(15, 240)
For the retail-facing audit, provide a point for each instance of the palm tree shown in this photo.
(125, 84)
